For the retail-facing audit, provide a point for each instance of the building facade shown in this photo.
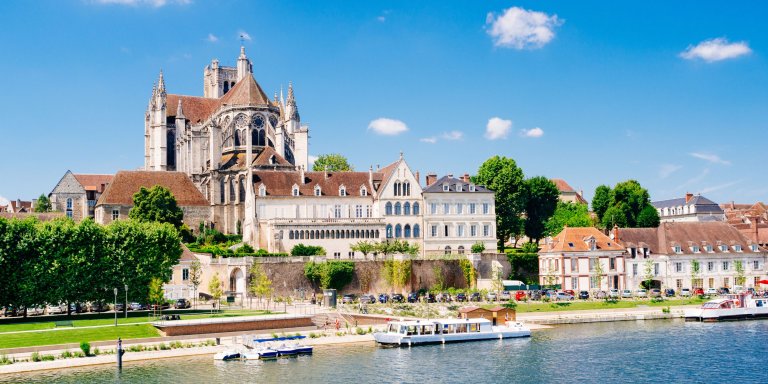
(567, 193)
(689, 208)
(692, 255)
(582, 259)
(458, 214)
(76, 194)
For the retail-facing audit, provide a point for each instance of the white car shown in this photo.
(614, 293)
(711, 291)
(505, 296)
(562, 296)
(685, 292)
(626, 294)
(641, 293)
(56, 309)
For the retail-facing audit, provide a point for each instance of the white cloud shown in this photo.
(533, 132)
(430, 140)
(311, 159)
(521, 29)
(389, 127)
(133, 3)
(212, 38)
(710, 157)
(452, 135)
(719, 187)
(716, 50)
(383, 17)
(668, 169)
(244, 35)
(497, 128)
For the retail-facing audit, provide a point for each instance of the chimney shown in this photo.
(431, 178)
(418, 178)
(688, 197)
(301, 175)
(754, 226)
(465, 178)
(616, 233)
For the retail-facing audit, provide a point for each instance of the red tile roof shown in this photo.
(562, 185)
(245, 92)
(93, 182)
(126, 183)
(574, 239)
(196, 109)
(186, 254)
(280, 183)
(661, 240)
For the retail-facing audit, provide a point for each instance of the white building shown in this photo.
(674, 249)
(458, 214)
(689, 208)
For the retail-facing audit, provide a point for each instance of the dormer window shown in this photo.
(342, 191)
(695, 249)
(753, 247)
(363, 191)
(708, 248)
(723, 248)
(272, 160)
(318, 191)
(459, 188)
(262, 190)
(295, 190)
(446, 188)
(633, 252)
(677, 249)
(737, 248)
(471, 187)
(591, 243)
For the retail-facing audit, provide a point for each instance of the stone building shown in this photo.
(117, 200)
(567, 193)
(76, 194)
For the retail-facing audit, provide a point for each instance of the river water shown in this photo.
(659, 351)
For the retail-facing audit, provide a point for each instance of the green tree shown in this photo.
(195, 276)
(614, 216)
(505, 179)
(332, 162)
(478, 247)
(740, 278)
(541, 197)
(648, 217)
(259, 284)
(156, 294)
(215, 289)
(156, 204)
(307, 250)
(570, 214)
(695, 271)
(363, 246)
(601, 201)
(43, 204)
(598, 273)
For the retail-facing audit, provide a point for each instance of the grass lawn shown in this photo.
(29, 339)
(593, 305)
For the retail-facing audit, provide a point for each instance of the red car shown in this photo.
(698, 291)
(520, 295)
(570, 292)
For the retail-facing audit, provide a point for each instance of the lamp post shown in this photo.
(126, 301)
(115, 290)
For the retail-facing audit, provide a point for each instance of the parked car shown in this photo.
(724, 291)
(505, 296)
(698, 291)
(349, 298)
(655, 292)
(77, 308)
(641, 293)
(561, 296)
(685, 292)
(56, 309)
(97, 306)
(711, 291)
(600, 295)
(738, 289)
(137, 306)
(669, 292)
(367, 299)
(182, 304)
(119, 307)
(520, 295)
(492, 296)
(429, 298)
(570, 292)
(614, 293)
(11, 311)
(413, 297)
(444, 297)
(626, 294)
(535, 295)
(35, 311)
(397, 298)
(461, 297)
(584, 295)
(383, 298)
(475, 296)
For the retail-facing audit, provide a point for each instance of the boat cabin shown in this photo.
(411, 328)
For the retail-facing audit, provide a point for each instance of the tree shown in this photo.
(601, 201)
(156, 294)
(195, 276)
(332, 162)
(307, 250)
(215, 289)
(647, 274)
(740, 278)
(363, 246)
(505, 179)
(541, 197)
(648, 217)
(156, 204)
(695, 270)
(598, 273)
(478, 247)
(259, 284)
(570, 214)
(43, 204)
(614, 216)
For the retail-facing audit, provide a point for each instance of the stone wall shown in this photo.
(234, 326)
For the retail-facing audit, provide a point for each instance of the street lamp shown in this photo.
(115, 303)
(126, 301)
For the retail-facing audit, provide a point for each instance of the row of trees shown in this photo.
(385, 247)
(61, 261)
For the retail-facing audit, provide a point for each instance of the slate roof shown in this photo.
(93, 182)
(574, 239)
(437, 186)
(662, 239)
(280, 183)
(126, 183)
(703, 205)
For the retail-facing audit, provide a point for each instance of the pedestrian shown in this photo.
(337, 324)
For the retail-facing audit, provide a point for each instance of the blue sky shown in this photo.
(675, 96)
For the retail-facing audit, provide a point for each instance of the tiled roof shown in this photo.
(196, 109)
(93, 182)
(236, 161)
(21, 206)
(472, 308)
(562, 185)
(186, 254)
(452, 182)
(245, 92)
(126, 183)
(280, 183)
(574, 239)
(703, 205)
(685, 234)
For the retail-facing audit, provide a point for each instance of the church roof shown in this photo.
(196, 109)
(93, 182)
(236, 161)
(245, 92)
(126, 183)
(281, 183)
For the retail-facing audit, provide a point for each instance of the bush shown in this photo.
(307, 250)
(4, 360)
(35, 357)
(66, 355)
(478, 247)
(96, 351)
(86, 348)
(48, 357)
(244, 249)
(666, 310)
(313, 335)
(330, 274)
(530, 247)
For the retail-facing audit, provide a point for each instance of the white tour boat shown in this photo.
(730, 307)
(442, 331)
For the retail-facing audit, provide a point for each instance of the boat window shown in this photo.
(411, 330)
(474, 327)
(461, 328)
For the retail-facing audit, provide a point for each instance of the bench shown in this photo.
(63, 323)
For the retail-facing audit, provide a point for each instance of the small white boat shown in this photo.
(293, 350)
(442, 331)
(729, 307)
(230, 354)
(260, 354)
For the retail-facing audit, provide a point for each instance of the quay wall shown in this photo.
(200, 328)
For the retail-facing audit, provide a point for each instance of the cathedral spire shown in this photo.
(179, 111)
(244, 67)
(161, 82)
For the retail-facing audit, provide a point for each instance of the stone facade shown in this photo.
(76, 194)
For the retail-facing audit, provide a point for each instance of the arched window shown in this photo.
(398, 209)
(407, 208)
(397, 189)
(238, 133)
(290, 235)
(388, 208)
(461, 249)
(377, 234)
(295, 190)
(226, 87)
(416, 231)
(262, 190)
(242, 189)
(398, 231)
(301, 235)
(447, 249)
(389, 231)
(415, 208)
(231, 190)
(363, 191)
(318, 191)
(406, 189)
(342, 191)
(407, 231)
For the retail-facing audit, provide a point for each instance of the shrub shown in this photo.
(66, 354)
(307, 250)
(478, 247)
(48, 357)
(164, 347)
(78, 354)
(35, 356)
(86, 348)
(4, 360)
(360, 331)
(665, 310)
(244, 249)
(313, 335)
(96, 351)
(530, 247)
